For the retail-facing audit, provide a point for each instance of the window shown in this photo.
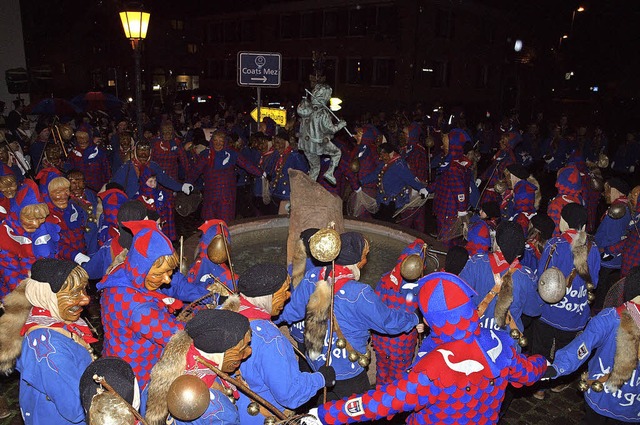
(307, 25)
(230, 69)
(290, 69)
(355, 71)
(177, 24)
(289, 26)
(306, 69)
(440, 74)
(384, 72)
(248, 30)
(214, 69)
(387, 20)
(214, 32)
(357, 21)
(482, 76)
(231, 31)
(444, 24)
(330, 23)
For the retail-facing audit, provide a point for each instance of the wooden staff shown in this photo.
(226, 250)
(327, 361)
(181, 249)
(244, 388)
(102, 381)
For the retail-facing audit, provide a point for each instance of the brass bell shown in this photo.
(591, 297)
(271, 420)
(597, 386)
(90, 209)
(411, 267)
(583, 385)
(364, 361)
(552, 285)
(87, 229)
(188, 398)
(500, 187)
(325, 245)
(66, 132)
(216, 250)
(515, 334)
(228, 392)
(354, 165)
(617, 210)
(597, 183)
(603, 161)
(341, 343)
(429, 142)
(523, 341)
(354, 357)
(590, 287)
(253, 408)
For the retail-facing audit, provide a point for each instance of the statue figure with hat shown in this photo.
(47, 341)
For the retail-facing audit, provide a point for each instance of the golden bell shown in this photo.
(228, 392)
(354, 165)
(597, 386)
(325, 245)
(354, 357)
(66, 132)
(515, 334)
(591, 297)
(364, 361)
(90, 209)
(583, 386)
(188, 398)
(590, 287)
(216, 250)
(617, 210)
(271, 420)
(411, 267)
(500, 187)
(429, 142)
(253, 408)
(341, 343)
(523, 341)
(603, 161)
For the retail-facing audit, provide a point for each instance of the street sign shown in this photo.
(259, 69)
(276, 114)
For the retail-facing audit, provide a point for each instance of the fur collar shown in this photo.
(627, 351)
(580, 250)
(317, 318)
(16, 312)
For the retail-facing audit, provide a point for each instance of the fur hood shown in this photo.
(170, 366)
(16, 312)
(627, 351)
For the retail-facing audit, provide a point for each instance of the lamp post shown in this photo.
(562, 38)
(573, 16)
(135, 23)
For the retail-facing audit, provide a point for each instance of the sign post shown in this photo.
(259, 69)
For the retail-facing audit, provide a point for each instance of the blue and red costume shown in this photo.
(611, 232)
(479, 271)
(170, 156)
(112, 200)
(156, 199)
(598, 345)
(394, 182)
(19, 249)
(72, 220)
(218, 170)
(631, 245)
(479, 236)
(138, 322)
(500, 161)
(523, 208)
(94, 164)
(366, 153)
(451, 186)
(204, 270)
(569, 185)
(89, 203)
(395, 353)
(415, 155)
(5, 203)
(128, 175)
(289, 159)
(461, 379)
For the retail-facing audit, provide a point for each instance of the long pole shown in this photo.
(259, 103)
(137, 55)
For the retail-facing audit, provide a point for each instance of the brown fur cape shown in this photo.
(16, 312)
(317, 318)
(627, 351)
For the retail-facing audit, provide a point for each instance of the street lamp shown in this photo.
(580, 9)
(562, 38)
(135, 23)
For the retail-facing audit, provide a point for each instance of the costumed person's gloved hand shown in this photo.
(81, 258)
(358, 190)
(478, 182)
(462, 213)
(187, 188)
(606, 257)
(329, 374)
(550, 373)
(423, 193)
(312, 418)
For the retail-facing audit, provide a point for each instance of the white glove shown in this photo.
(549, 160)
(264, 175)
(478, 182)
(187, 188)
(312, 417)
(462, 213)
(423, 193)
(358, 190)
(632, 168)
(80, 258)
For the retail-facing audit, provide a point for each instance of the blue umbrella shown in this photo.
(53, 106)
(97, 101)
